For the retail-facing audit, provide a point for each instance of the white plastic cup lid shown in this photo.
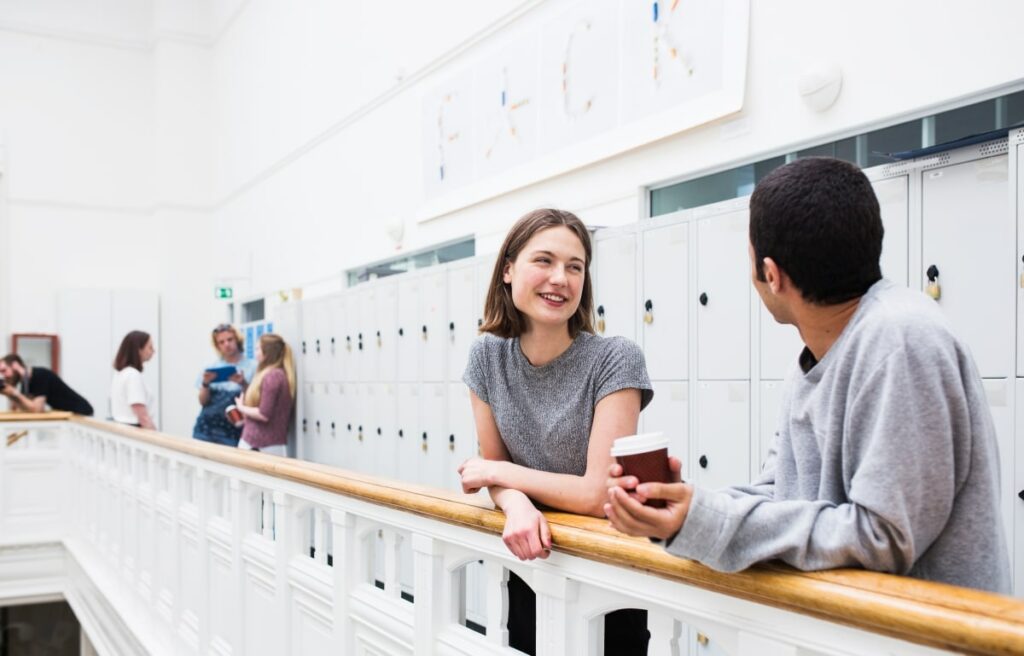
(642, 443)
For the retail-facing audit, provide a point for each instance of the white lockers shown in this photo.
(381, 363)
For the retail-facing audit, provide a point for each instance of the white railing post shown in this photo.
(239, 508)
(202, 500)
(497, 602)
(346, 577)
(392, 588)
(283, 535)
(319, 536)
(430, 591)
(174, 488)
(556, 596)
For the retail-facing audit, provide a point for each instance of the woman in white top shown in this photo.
(129, 398)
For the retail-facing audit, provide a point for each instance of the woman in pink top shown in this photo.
(268, 401)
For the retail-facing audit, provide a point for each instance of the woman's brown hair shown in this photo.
(501, 317)
(276, 355)
(128, 354)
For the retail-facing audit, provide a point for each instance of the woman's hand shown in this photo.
(246, 410)
(478, 473)
(526, 532)
(208, 377)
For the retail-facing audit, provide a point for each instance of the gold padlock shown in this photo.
(933, 288)
(424, 447)
(600, 326)
(702, 640)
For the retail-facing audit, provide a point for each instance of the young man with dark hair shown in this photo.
(30, 389)
(885, 456)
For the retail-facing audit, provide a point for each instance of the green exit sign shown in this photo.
(223, 292)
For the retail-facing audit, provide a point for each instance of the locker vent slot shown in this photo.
(942, 159)
(994, 148)
(896, 169)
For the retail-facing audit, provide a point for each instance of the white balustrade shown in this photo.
(175, 546)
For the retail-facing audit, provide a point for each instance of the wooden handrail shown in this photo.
(922, 612)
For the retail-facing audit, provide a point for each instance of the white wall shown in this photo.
(177, 144)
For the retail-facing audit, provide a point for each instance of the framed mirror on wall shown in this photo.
(37, 349)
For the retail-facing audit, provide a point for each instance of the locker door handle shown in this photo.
(349, 427)
(318, 346)
(703, 462)
(318, 425)
(401, 332)
(401, 433)
(600, 319)
(332, 428)
(304, 425)
(1021, 495)
(703, 298)
(451, 442)
(348, 342)
(378, 431)
(424, 332)
(378, 339)
(332, 345)
(648, 311)
(479, 322)
(303, 347)
(424, 447)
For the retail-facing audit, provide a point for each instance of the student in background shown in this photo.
(267, 404)
(129, 399)
(31, 389)
(212, 425)
(549, 397)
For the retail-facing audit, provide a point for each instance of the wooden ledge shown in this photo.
(53, 415)
(934, 614)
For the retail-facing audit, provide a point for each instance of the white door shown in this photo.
(669, 413)
(771, 406)
(366, 430)
(1000, 401)
(346, 405)
(723, 297)
(346, 321)
(433, 330)
(615, 285)
(433, 435)
(408, 445)
(461, 439)
(968, 237)
(87, 361)
(384, 438)
(722, 440)
(335, 354)
(307, 448)
(365, 337)
(894, 202)
(408, 338)
(385, 332)
(463, 311)
(664, 302)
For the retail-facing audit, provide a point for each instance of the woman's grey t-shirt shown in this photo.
(544, 414)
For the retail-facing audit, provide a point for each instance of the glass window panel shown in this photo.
(824, 150)
(895, 139)
(766, 166)
(1014, 109)
(703, 191)
(965, 121)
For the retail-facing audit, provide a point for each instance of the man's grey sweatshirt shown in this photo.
(885, 458)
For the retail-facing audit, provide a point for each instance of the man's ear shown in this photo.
(773, 275)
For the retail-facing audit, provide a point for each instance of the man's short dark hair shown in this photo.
(12, 358)
(818, 218)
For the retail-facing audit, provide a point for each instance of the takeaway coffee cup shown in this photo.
(646, 457)
(234, 415)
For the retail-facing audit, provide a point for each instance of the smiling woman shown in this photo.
(549, 397)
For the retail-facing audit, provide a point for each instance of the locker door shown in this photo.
(723, 297)
(615, 285)
(1016, 488)
(894, 203)
(462, 443)
(346, 349)
(366, 429)
(366, 338)
(433, 435)
(433, 329)
(780, 346)
(723, 426)
(1020, 264)
(347, 412)
(669, 413)
(383, 437)
(462, 316)
(408, 447)
(408, 321)
(321, 340)
(1000, 401)
(308, 447)
(665, 286)
(385, 331)
(335, 338)
(771, 405)
(968, 236)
